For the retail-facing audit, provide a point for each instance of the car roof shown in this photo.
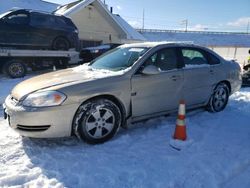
(170, 44)
(30, 10)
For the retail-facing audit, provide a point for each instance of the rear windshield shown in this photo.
(118, 59)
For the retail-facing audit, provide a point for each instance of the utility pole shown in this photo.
(248, 26)
(186, 24)
(143, 18)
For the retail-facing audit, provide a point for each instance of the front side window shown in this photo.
(118, 59)
(193, 57)
(164, 59)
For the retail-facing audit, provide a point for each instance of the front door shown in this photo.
(17, 27)
(159, 92)
(3, 32)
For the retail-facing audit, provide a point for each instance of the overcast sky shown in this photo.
(215, 15)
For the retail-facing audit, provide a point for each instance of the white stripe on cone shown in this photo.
(181, 109)
(180, 122)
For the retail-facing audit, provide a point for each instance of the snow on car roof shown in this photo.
(153, 44)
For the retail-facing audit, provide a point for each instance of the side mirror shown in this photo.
(150, 70)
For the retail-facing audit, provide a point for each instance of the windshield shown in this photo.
(118, 59)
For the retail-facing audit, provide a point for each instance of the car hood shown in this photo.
(81, 73)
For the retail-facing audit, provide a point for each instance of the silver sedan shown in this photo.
(128, 84)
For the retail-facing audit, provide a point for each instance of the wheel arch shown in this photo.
(62, 37)
(227, 83)
(209, 103)
(105, 96)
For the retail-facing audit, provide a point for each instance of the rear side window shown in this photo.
(42, 20)
(193, 57)
(67, 22)
(213, 59)
(60, 21)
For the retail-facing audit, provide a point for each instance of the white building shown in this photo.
(97, 25)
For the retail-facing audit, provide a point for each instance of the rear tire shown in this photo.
(15, 68)
(60, 43)
(219, 98)
(97, 121)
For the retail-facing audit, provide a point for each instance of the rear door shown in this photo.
(197, 76)
(159, 92)
(43, 28)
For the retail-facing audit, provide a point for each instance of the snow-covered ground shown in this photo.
(217, 154)
(28, 4)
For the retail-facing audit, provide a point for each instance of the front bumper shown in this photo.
(46, 122)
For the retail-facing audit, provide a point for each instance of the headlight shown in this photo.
(44, 99)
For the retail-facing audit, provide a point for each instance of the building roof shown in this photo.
(27, 4)
(130, 31)
(116, 20)
(201, 38)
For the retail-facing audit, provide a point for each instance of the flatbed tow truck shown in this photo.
(15, 62)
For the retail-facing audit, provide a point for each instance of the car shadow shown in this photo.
(74, 163)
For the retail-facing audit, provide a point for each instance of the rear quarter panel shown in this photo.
(234, 75)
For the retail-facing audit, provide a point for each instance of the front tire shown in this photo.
(219, 98)
(97, 121)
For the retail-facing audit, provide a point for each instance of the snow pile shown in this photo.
(218, 154)
(27, 4)
(97, 73)
(191, 66)
(6, 86)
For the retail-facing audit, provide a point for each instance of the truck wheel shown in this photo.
(61, 63)
(60, 43)
(15, 69)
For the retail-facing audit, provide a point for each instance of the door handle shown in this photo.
(175, 77)
(211, 71)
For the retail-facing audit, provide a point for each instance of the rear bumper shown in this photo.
(236, 85)
(47, 122)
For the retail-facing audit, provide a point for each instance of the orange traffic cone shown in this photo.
(180, 129)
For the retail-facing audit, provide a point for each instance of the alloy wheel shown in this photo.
(100, 123)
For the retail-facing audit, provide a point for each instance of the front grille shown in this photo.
(33, 128)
